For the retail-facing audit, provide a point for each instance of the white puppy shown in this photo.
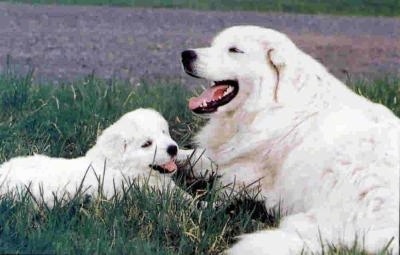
(328, 157)
(137, 146)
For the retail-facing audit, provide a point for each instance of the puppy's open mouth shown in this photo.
(220, 93)
(166, 168)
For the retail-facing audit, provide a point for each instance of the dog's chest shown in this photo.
(219, 136)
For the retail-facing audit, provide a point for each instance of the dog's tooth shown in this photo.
(228, 90)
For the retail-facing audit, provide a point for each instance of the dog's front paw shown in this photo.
(270, 242)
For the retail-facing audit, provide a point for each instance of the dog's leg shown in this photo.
(314, 232)
(292, 237)
(197, 161)
(269, 242)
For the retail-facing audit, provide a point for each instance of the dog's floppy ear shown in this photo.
(277, 62)
(283, 58)
(276, 58)
(279, 51)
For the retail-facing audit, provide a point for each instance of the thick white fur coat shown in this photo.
(118, 158)
(328, 157)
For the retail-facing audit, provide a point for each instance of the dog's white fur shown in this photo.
(328, 157)
(118, 153)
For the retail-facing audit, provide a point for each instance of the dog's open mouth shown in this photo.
(220, 93)
(166, 168)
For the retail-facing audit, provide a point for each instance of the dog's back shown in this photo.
(43, 175)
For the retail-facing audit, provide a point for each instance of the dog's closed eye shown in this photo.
(235, 50)
(147, 144)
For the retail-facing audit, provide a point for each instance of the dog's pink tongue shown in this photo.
(208, 95)
(170, 166)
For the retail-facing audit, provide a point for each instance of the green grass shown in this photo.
(338, 7)
(64, 121)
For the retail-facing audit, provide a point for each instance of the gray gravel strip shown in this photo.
(69, 42)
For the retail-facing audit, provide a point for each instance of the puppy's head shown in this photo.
(244, 66)
(139, 140)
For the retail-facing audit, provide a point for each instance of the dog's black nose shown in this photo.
(172, 150)
(188, 57)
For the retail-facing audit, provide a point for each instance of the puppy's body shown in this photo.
(122, 153)
(328, 157)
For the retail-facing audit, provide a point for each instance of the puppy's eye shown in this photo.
(235, 50)
(147, 144)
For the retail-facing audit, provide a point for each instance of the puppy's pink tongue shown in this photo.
(210, 94)
(170, 166)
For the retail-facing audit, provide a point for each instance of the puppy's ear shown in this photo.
(113, 145)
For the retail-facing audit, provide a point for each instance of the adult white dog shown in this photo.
(137, 146)
(328, 157)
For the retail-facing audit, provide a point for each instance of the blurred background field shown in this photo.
(339, 7)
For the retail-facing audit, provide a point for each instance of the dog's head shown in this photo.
(245, 66)
(139, 140)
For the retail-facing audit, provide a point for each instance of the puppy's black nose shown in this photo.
(188, 57)
(172, 150)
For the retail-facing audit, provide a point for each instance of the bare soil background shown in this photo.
(69, 42)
